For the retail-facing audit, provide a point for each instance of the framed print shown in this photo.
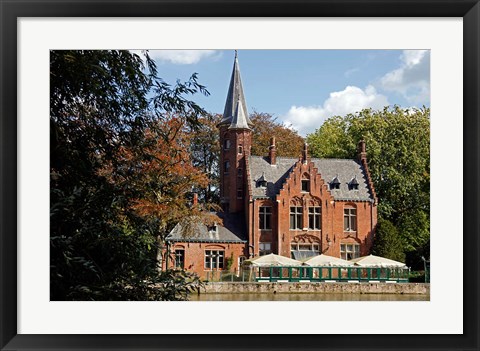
(42, 304)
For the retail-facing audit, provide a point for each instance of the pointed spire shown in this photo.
(236, 113)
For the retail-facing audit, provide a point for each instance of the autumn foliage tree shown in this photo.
(288, 142)
(120, 175)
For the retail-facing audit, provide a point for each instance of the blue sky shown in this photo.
(304, 87)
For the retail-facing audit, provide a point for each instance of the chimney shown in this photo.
(272, 152)
(361, 149)
(195, 199)
(305, 153)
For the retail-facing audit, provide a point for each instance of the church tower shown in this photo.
(235, 144)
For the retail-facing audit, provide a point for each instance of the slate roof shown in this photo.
(239, 119)
(276, 175)
(236, 112)
(232, 231)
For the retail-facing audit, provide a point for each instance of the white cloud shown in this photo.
(182, 57)
(351, 99)
(351, 71)
(412, 78)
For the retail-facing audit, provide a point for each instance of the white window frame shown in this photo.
(297, 218)
(349, 251)
(215, 259)
(349, 219)
(317, 217)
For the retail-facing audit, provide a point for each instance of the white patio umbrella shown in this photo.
(376, 261)
(273, 260)
(327, 261)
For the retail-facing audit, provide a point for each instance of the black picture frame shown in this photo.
(12, 10)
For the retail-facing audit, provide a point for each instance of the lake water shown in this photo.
(308, 297)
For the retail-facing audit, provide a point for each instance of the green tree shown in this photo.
(398, 153)
(110, 116)
(387, 242)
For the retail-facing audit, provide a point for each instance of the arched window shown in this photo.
(240, 149)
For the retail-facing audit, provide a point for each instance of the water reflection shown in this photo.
(308, 297)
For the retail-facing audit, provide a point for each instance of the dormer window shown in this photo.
(353, 185)
(262, 181)
(335, 183)
(213, 229)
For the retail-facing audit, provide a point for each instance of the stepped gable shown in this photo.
(343, 169)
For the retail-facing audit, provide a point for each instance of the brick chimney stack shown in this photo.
(272, 152)
(305, 153)
(362, 153)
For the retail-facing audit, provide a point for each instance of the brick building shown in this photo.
(294, 207)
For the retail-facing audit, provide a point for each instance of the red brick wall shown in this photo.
(230, 182)
(332, 227)
(267, 236)
(195, 255)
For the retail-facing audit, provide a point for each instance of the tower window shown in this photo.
(240, 149)
(240, 172)
(226, 144)
(239, 193)
(226, 166)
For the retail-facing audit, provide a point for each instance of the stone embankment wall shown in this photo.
(321, 288)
